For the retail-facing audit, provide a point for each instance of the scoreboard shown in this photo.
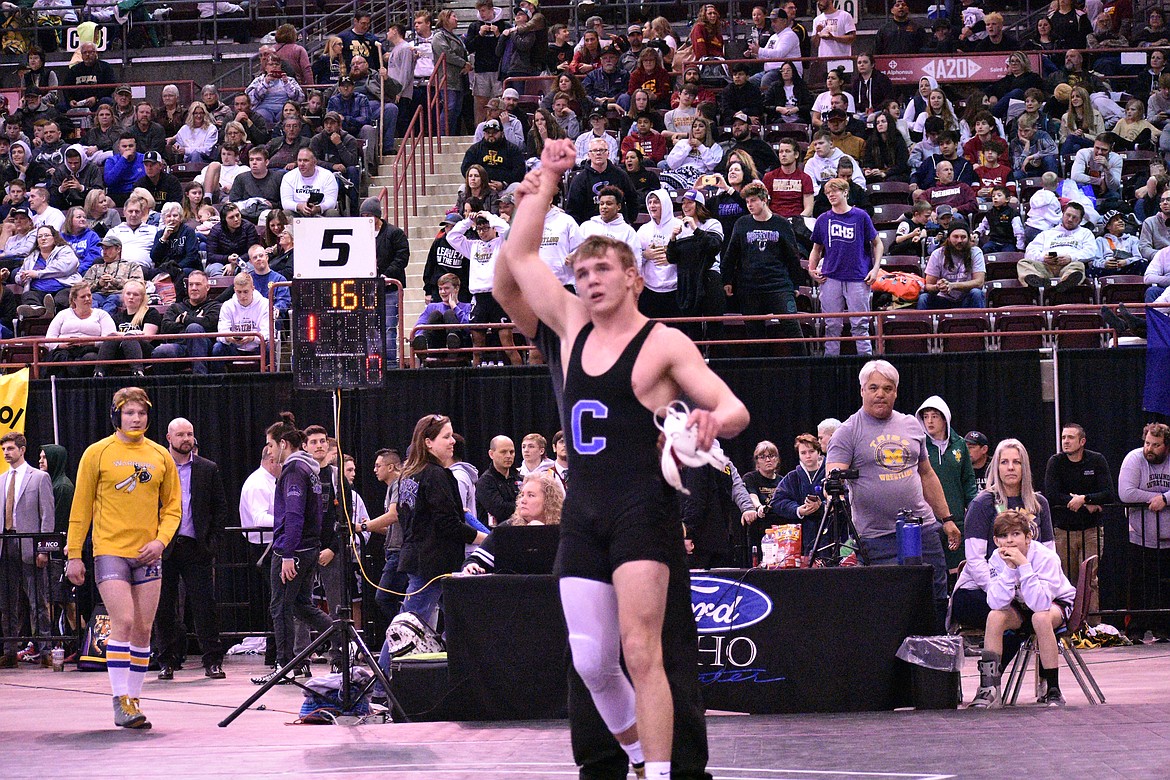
(339, 333)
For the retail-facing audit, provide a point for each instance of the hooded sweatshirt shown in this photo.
(951, 463)
(89, 175)
(658, 278)
(58, 461)
(482, 254)
(561, 237)
(618, 229)
(296, 507)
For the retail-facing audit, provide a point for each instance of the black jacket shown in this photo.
(208, 506)
(503, 160)
(581, 202)
(496, 494)
(182, 313)
(392, 249)
(706, 515)
(168, 188)
(443, 259)
(431, 513)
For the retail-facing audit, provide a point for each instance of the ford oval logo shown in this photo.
(722, 605)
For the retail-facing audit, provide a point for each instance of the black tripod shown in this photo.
(834, 530)
(342, 631)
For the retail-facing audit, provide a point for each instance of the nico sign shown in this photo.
(909, 68)
(334, 248)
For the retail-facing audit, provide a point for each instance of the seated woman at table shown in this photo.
(136, 321)
(539, 503)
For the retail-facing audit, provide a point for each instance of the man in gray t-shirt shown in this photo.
(888, 449)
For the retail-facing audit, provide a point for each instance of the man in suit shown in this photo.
(190, 557)
(28, 508)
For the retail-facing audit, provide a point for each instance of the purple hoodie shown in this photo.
(296, 508)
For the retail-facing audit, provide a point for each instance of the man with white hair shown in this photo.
(825, 430)
(888, 449)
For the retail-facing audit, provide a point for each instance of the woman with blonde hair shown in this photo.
(1009, 486)
(101, 211)
(539, 502)
(135, 321)
(1081, 123)
(330, 65)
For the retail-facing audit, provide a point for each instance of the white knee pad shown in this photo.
(590, 609)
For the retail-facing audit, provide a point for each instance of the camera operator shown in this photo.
(888, 449)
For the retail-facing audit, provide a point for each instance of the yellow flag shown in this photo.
(13, 401)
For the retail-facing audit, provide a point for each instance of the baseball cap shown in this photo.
(508, 197)
(510, 93)
(741, 117)
(334, 116)
(836, 113)
(345, 80)
(944, 211)
(492, 124)
(110, 241)
(1111, 215)
(154, 157)
(777, 13)
(634, 28)
(33, 92)
(450, 218)
(975, 437)
(695, 196)
(123, 88)
(371, 207)
(610, 50)
(18, 210)
(597, 112)
(496, 103)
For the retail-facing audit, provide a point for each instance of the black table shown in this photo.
(812, 640)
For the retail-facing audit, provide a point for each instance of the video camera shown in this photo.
(834, 484)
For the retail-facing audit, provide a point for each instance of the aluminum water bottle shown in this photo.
(909, 534)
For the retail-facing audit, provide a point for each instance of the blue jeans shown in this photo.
(107, 303)
(991, 247)
(883, 551)
(392, 579)
(1074, 143)
(1000, 109)
(221, 349)
(389, 127)
(391, 327)
(425, 603)
(454, 109)
(1047, 163)
(1153, 292)
(974, 299)
(194, 348)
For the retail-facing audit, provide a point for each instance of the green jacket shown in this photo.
(953, 468)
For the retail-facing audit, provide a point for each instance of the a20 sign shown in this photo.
(334, 248)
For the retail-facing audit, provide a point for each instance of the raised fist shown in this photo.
(558, 156)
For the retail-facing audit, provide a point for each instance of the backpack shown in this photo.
(901, 285)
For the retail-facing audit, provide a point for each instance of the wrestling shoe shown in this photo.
(214, 672)
(680, 447)
(166, 672)
(264, 679)
(127, 715)
(639, 770)
(987, 697)
(1050, 696)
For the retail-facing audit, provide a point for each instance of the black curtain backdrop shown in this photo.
(997, 393)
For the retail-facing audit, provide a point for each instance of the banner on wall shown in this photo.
(13, 404)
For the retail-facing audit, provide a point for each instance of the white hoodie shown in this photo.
(482, 254)
(234, 318)
(1036, 583)
(659, 278)
(561, 237)
(1079, 244)
(618, 229)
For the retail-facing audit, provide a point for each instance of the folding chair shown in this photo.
(1072, 656)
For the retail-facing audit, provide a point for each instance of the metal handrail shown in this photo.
(422, 140)
(879, 337)
(36, 342)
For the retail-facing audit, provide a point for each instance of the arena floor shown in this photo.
(60, 725)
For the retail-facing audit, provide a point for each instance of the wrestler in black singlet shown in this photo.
(619, 508)
(608, 497)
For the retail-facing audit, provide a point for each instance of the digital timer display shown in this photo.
(339, 333)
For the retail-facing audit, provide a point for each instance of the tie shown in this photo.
(10, 502)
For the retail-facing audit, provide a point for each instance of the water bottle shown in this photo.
(909, 534)
(58, 659)
(755, 556)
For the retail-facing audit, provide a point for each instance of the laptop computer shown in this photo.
(529, 549)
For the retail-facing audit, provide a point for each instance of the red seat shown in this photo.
(1078, 320)
(1137, 161)
(1011, 292)
(797, 130)
(1081, 294)
(911, 264)
(1000, 269)
(1122, 288)
(975, 323)
(907, 324)
(893, 192)
(1008, 321)
(886, 215)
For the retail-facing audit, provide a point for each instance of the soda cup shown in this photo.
(58, 659)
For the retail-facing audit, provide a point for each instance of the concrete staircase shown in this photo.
(442, 190)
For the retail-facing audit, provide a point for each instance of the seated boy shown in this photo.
(1027, 586)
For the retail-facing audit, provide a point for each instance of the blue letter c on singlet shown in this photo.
(594, 409)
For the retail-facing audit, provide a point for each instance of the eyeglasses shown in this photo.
(767, 457)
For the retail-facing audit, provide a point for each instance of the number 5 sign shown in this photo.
(334, 248)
